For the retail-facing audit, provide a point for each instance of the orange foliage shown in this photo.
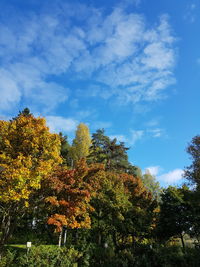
(70, 194)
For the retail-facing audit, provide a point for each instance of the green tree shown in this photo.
(65, 150)
(109, 151)
(140, 218)
(152, 185)
(175, 214)
(192, 173)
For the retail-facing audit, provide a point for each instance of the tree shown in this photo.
(81, 143)
(175, 214)
(110, 204)
(192, 173)
(140, 218)
(110, 152)
(28, 153)
(68, 196)
(152, 185)
(65, 150)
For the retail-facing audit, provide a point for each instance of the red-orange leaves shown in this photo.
(69, 198)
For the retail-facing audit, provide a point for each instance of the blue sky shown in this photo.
(131, 67)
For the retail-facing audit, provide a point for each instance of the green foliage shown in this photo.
(50, 256)
(141, 256)
(7, 258)
(175, 213)
(192, 173)
(152, 185)
(110, 152)
(65, 150)
(40, 256)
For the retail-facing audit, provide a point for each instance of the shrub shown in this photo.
(41, 256)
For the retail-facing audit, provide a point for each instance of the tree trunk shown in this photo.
(182, 241)
(60, 238)
(65, 237)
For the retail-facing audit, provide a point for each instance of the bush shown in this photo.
(7, 259)
(140, 256)
(41, 256)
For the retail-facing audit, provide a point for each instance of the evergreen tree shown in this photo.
(108, 151)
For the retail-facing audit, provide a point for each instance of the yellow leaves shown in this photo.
(81, 143)
(28, 153)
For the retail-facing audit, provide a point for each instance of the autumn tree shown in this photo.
(68, 196)
(28, 153)
(81, 143)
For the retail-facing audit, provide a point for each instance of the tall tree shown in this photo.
(109, 151)
(65, 150)
(81, 143)
(28, 153)
(175, 214)
(68, 191)
(192, 173)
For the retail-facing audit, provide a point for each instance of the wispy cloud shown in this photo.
(118, 52)
(152, 122)
(157, 132)
(135, 136)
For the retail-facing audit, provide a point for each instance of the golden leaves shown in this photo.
(28, 153)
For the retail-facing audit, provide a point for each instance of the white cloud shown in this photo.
(154, 170)
(171, 177)
(130, 60)
(59, 124)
